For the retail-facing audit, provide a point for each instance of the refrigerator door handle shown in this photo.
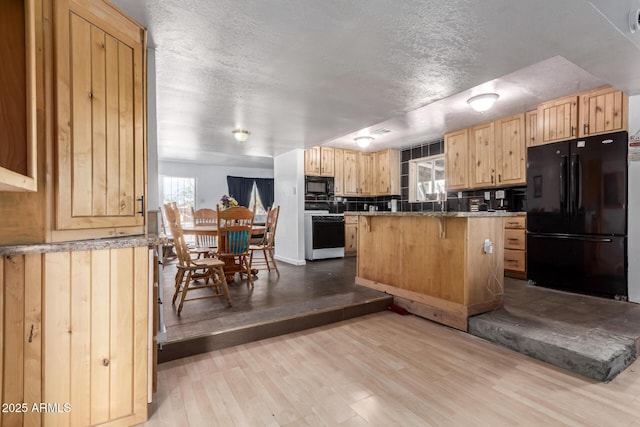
(575, 184)
(573, 237)
(563, 184)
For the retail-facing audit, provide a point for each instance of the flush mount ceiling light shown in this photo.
(240, 135)
(483, 102)
(363, 141)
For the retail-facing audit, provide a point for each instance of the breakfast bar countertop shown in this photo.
(481, 214)
(84, 245)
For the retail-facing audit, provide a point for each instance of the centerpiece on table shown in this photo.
(228, 202)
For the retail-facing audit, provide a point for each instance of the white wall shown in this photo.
(633, 216)
(289, 194)
(211, 180)
(153, 202)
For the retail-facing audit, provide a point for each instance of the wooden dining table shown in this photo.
(212, 230)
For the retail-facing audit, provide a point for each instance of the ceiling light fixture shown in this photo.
(363, 141)
(240, 135)
(483, 102)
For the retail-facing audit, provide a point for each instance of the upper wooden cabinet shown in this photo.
(350, 166)
(456, 160)
(531, 128)
(558, 120)
(319, 161)
(510, 150)
(100, 64)
(482, 163)
(338, 181)
(387, 172)
(18, 136)
(603, 111)
(366, 170)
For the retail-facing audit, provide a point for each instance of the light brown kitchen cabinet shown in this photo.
(531, 128)
(557, 120)
(100, 64)
(338, 181)
(456, 160)
(482, 160)
(350, 166)
(74, 330)
(515, 247)
(319, 161)
(350, 235)
(510, 151)
(366, 169)
(312, 161)
(18, 127)
(387, 173)
(603, 110)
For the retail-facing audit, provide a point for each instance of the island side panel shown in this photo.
(486, 271)
(380, 250)
(433, 262)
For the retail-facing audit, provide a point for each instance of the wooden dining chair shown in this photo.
(265, 259)
(234, 232)
(168, 250)
(191, 272)
(205, 216)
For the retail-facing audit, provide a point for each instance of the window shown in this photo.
(181, 190)
(255, 201)
(426, 179)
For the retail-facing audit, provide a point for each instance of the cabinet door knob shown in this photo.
(122, 207)
(105, 362)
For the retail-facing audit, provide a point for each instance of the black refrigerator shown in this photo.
(577, 215)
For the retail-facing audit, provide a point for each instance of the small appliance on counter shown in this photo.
(502, 201)
(474, 204)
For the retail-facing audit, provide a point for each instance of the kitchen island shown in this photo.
(444, 266)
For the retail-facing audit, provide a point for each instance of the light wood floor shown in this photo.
(385, 370)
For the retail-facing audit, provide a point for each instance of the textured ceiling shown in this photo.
(307, 72)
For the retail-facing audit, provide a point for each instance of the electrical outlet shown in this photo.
(487, 195)
(488, 246)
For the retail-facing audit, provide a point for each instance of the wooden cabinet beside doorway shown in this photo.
(99, 84)
(482, 156)
(456, 159)
(319, 161)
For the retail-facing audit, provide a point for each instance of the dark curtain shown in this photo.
(265, 190)
(240, 189)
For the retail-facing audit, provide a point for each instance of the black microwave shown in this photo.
(318, 185)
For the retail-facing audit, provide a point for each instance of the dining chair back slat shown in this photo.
(234, 233)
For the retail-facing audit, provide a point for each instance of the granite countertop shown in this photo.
(83, 245)
(481, 214)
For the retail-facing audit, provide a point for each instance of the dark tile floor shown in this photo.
(318, 286)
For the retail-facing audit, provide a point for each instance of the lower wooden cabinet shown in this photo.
(74, 332)
(350, 235)
(515, 247)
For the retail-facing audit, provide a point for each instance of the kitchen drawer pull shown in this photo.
(513, 239)
(512, 260)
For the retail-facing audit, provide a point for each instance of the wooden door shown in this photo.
(603, 111)
(312, 161)
(20, 338)
(95, 335)
(456, 160)
(482, 163)
(100, 115)
(327, 167)
(338, 181)
(18, 136)
(557, 120)
(510, 151)
(387, 173)
(365, 173)
(351, 235)
(351, 173)
(531, 128)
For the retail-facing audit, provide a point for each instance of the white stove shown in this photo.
(323, 234)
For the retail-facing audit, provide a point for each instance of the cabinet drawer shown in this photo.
(350, 219)
(515, 222)
(514, 260)
(514, 239)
